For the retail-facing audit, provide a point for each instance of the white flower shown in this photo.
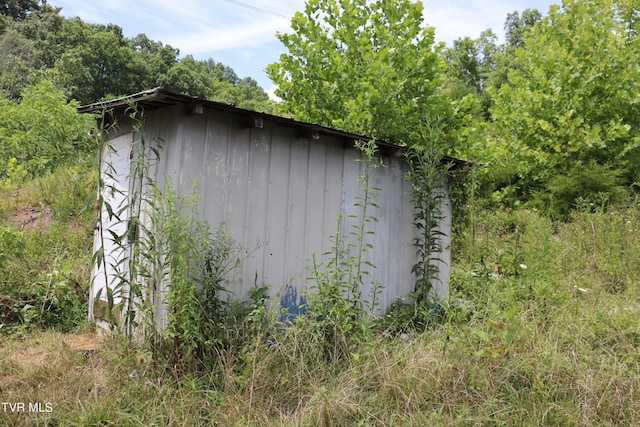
(523, 266)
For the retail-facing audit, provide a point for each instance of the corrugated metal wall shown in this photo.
(114, 171)
(281, 195)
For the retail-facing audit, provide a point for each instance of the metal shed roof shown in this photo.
(160, 98)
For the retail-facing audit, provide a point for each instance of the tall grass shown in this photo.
(541, 329)
(46, 228)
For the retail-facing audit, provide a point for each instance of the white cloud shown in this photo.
(271, 92)
(457, 19)
(453, 20)
(244, 38)
(212, 38)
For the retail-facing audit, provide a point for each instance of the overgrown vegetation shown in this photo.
(558, 114)
(541, 323)
(93, 62)
(169, 288)
(40, 132)
(540, 329)
(184, 267)
(46, 232)
(339, 310)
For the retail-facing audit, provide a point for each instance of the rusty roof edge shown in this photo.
(172, 98)
(156, 94)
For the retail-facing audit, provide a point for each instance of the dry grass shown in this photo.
(580, 370)
(555, 343)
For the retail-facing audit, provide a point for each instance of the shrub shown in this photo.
(584, 183)
(41, 131)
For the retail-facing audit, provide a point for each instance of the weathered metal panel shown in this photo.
(295, 232)
(115, 173)
(441, 286)
(257, 201)
(387, 179)
(190, 152)
(280, 195)
(276, 212)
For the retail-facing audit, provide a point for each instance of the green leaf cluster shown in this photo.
(92, 62)
(48, 60)
(361, 66)
(182, 253)
(40, 131)
(572, 96)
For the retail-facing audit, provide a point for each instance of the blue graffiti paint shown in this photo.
(292, 306)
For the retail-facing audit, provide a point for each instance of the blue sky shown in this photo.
(241, 33)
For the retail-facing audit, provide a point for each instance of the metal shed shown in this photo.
(276, 183)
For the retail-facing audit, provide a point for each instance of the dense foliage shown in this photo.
(41, 131)
(51, 64)
(560, 104)
(91, 62)
(541, 324)
(572, 98)
(365, 67)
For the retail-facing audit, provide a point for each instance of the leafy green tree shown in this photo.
(18, 9)
(251, 96)
(44, 28)
(221, 72)
(572, 96)
(90, 62)
(150, 60)
(470, 65)
(187, 76)
(518, 25)
(29, 48)
(97, 63)
(214, 81)
(629, 15)
(19, 59)
(369, 67)
(464, 63)
(93, 62)
(41, 130)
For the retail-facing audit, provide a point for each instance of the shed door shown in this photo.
(110, 236)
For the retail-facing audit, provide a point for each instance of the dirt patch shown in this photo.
(40, 361)
(31, 218)
(89, 344)
(7, 313)
(39, 354)
(29, 357)
(84, 342)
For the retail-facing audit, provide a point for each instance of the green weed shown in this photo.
(550, 344)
